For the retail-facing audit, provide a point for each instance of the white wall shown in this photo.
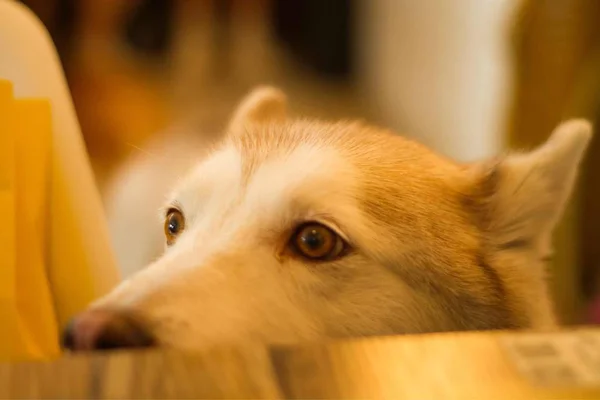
(439, 70)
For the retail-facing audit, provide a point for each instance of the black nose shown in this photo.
(105, 330)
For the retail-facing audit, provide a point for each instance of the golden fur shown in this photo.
(436, 245)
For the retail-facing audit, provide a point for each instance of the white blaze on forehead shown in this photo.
(310, 178)
(304, 167)
(302, 183)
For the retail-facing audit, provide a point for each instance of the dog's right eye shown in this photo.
(317, 242)
(174, 225)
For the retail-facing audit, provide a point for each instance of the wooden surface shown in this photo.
(454, 366)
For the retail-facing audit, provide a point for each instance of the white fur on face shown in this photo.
(230, 276)
(435, 246)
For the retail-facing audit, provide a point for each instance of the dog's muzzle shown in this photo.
(105, 330)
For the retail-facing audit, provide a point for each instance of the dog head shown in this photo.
(297, 230)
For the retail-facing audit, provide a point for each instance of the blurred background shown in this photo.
(469, 78)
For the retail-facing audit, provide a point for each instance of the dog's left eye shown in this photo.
(317, 242)
(174, 225)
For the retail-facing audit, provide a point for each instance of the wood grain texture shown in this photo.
(444, 366)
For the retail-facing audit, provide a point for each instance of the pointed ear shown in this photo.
(522, 196)
(263, 104)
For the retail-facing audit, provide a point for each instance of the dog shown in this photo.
(295, 230)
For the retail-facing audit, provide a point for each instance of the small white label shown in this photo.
(556, 359)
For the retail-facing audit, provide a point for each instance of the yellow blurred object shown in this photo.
(54, 245)
(26, 306)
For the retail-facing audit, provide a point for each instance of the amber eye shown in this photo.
(174, 225)
(317, 242)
